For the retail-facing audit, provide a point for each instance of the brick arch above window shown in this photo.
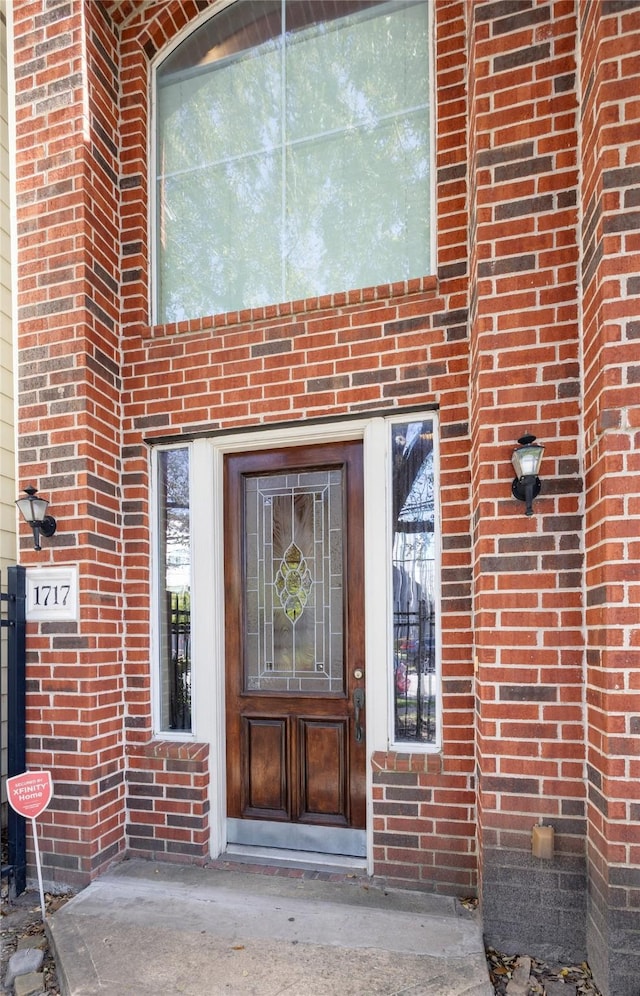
(161, 20)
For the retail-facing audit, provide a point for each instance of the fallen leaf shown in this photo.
(469, 902)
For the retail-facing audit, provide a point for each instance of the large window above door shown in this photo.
(292, 154)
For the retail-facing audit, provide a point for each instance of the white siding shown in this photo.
(7, 428)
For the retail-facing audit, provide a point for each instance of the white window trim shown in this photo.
(207, 636)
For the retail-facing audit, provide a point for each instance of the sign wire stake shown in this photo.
(38, 867)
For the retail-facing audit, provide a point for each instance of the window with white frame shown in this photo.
(174, 588)
(292, 154)
(413, 557)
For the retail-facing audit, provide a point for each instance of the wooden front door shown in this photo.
(294, 608)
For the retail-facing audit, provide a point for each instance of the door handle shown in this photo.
(358, 705)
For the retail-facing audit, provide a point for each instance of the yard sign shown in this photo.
(30, 794)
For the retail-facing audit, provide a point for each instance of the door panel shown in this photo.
(265, 749)
(324, 788)
(294, 639)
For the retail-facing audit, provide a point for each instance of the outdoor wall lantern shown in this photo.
(526, 460)
(34, 511)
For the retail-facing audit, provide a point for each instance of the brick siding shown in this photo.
(349, 353)
(69, 420)
(610, 198)
(526, 369)
(345, 353)
(168, 798)
(529, 323)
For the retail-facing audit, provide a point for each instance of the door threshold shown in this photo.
(283, 858)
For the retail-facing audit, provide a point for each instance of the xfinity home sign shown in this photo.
(52, 594)
(30, 793)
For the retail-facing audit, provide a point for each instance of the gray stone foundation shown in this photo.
(613, 932)
(535, 907)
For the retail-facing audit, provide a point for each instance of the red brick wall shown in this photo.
(69, 420)
(167, 787)
(341, 354)
(351, 353)
(610, 83)
(529, 323)
(526, 378)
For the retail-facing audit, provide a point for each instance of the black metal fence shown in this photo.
(179, 616)
(415, 674)
(12, 671)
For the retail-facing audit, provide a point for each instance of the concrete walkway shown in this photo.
(146, 929)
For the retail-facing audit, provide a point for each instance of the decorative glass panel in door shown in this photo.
(293, 583)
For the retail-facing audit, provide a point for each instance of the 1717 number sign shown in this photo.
(52, 593)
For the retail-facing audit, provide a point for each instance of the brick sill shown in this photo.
(390, 760)
(326, 302)
(171, 749)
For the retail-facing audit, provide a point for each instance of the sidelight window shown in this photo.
(174, 589)
(292, 154)
(413, 556)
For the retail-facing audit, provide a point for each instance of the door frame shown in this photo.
(208, 635)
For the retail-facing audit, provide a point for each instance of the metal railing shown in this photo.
(179, 615)
(414, 674)
(13, 672)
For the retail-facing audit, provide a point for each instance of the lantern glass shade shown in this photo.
(33, 509)
(527, 459)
